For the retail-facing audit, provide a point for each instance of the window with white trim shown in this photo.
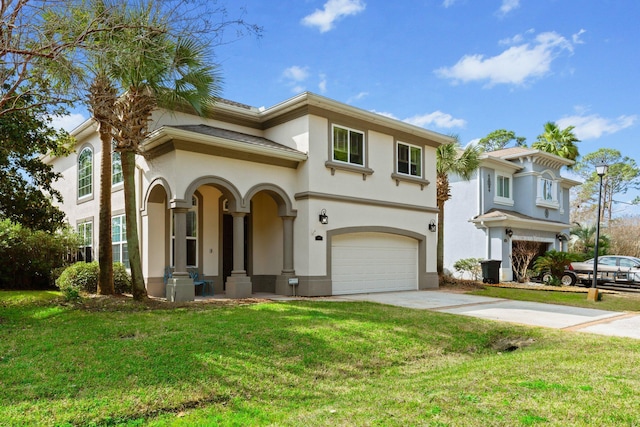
(85, 251)
(119, 240)
(503, 192)
(192, 235)
(503, 186)
(116, 168)
(85, 173)
(547, 193)
(546, 187)
(409, 159)
(348, 145)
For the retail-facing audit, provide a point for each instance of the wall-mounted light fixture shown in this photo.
(324, 219)
(508, 232)
(432, 226)
(561, 237)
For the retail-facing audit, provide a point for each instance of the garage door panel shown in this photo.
(373, 262)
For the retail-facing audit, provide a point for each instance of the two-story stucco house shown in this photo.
(516, 195)
(311, 189)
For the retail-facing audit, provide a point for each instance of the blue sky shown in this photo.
(467, 67)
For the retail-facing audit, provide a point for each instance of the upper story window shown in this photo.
(348, 145)
(409, 159)
(85, 173)
(545, 186)
(116, 168)
(547, 193)
(504, 190)
(503, 186)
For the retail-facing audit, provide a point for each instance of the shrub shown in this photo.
(30, 257)
(554, 262)
(121, 279)
(84, 276)
(79, 277)
(469, 265)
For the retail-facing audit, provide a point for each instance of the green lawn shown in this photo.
(620, 301)
(310, 363)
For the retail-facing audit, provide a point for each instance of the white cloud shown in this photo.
(437, 119)
(594, 126)
(448, 3)
(357, 97)
(323, 83)
(296, 73)
(295, 77)
(517, 39)
(576, 37)
(385, 114)
(68, 122)
(516, 65)
(508, 6)
(333, 11)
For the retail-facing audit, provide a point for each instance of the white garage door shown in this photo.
(373, 262)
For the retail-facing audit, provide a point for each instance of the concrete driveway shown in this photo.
(522, 312)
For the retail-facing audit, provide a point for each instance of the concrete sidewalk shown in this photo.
(521, 312)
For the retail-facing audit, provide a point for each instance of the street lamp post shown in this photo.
(601, 170)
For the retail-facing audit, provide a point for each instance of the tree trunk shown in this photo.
(133, 245)
(105, 251)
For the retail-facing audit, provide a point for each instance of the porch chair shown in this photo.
(195, 275)
(168, 274)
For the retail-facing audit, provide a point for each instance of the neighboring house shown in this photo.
(340, 198)
(516, 195)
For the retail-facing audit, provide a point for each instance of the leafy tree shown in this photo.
(469, 265)
(25, 135)
(622, 175)
(150, 62)
(30, 258)
(451, 159)
(28, 56)
(561, 142)
(624, 232)
(499, 139)
(585, 238)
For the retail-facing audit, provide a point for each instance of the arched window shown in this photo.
(85, 173)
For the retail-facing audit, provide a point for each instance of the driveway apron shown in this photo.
(522, 312)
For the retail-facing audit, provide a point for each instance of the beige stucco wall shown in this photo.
(311, 187)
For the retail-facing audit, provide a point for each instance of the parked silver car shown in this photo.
(611, 268)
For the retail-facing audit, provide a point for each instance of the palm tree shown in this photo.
(450, 159)
(585, 240)
(153, 68)
(561, 142)
(136, 52)
(88, 63)
(101, 101)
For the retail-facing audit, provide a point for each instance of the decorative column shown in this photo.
(282, 282)
(180, 286)
(238, 284)
(287, 231)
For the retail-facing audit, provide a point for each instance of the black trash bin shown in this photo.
(490, 270)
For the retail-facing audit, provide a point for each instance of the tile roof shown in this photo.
(235, 136)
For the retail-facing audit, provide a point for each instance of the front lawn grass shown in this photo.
(619, 301)
(114, 362)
